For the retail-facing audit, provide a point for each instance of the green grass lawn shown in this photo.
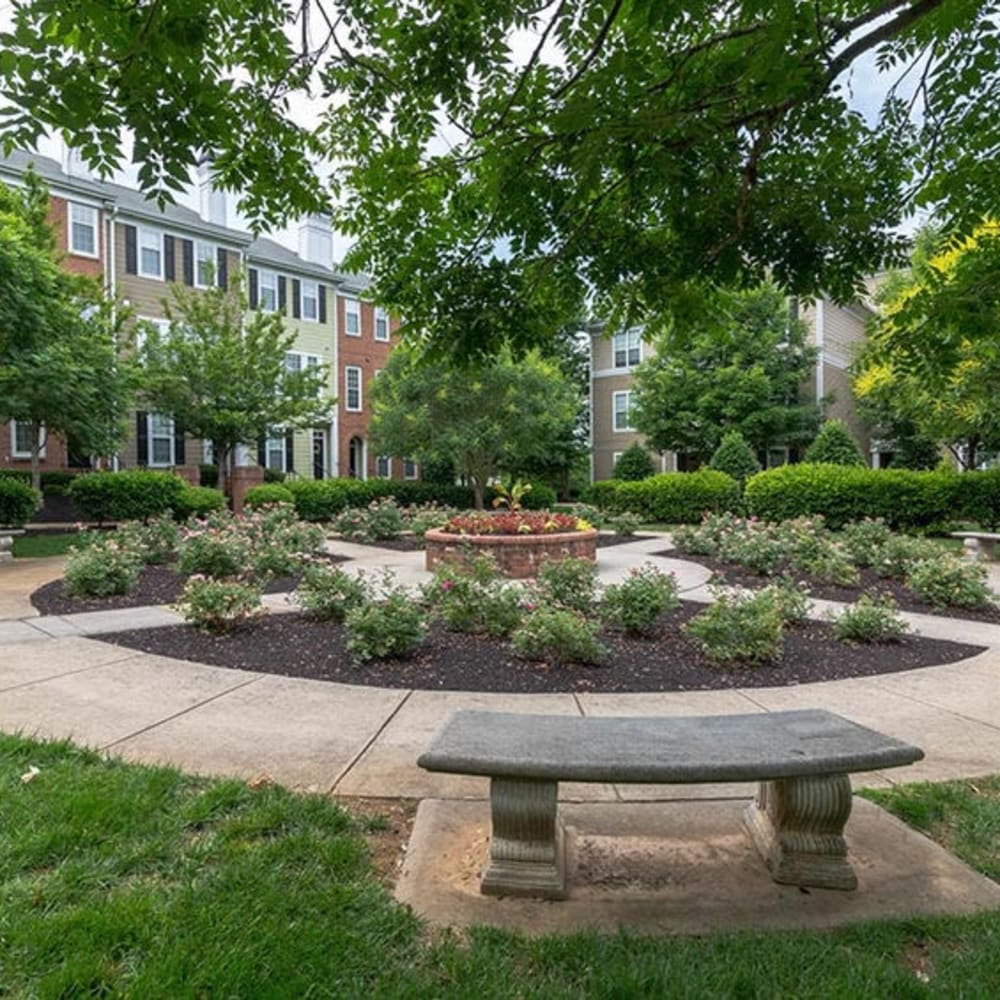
(35, 546)
(119, 880)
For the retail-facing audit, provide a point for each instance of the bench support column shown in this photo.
(526, 843)
(797, 825)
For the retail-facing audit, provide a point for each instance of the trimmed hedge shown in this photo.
(670, 498)
(55, 482)
(903, 497)
(125, 496)
(323, 499)
(18, 501)
(258, 496)
(197, 501)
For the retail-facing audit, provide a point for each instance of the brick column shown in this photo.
(243, 478)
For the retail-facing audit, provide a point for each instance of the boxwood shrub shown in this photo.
(671, 497)
(903, 497)
(18, 501)
(197, 501)
(258, 496)
(324, 499)
(125, 496)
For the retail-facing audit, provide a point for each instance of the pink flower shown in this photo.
(447, 584)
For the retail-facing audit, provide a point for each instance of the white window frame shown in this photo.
(275, 443)
(149, 239)
(352, 307)
(72, 220)
(161, 324)
(313, 287)
(410, 469)
(626, 427)
(627, 343)
(383, 466)
(151, 439)
(381, 316)
(348, 370)
(199, 247)
(16, 452)
(271, 285)
(615, 455)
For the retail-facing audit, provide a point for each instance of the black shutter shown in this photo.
(180, 455)
(187, 251)
(322, 303)
(131, 251)
(262, 452)
(222, 268)
(142, 437)
(282, 294)
(252, 291)
(296, 298)
(169, 271)
(289, 451)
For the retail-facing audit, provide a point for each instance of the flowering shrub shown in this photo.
(381, 519)
(625, 524)
(218, 605)
(947, 581)
(389, 624)
(870, 619)
(514, 523)
(754, 546)
(789, 598)
(705, 539)
(741, 626)
(863, 539)
(155, 541)
(328, 593)
(420, 518)
(557, 636)
(567, 583)
(899, 553)
(217, 551)
(472, 597)
(634, 604)
(101, 567)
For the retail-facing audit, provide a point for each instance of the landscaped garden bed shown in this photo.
(668, 659)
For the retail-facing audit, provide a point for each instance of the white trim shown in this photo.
(212, 261)
(16, 452)
(632, 341)
(145, 238)
(303, 282)
(277, 435)
(381, 316)
(272, 286)
(363, 469)
(94, 225)
(150, 438)
(379, 474)
(628, 428)
(348, 369)
(820, 352)
(352, 307)
(410, 469)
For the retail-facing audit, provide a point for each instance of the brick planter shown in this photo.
(517, 556)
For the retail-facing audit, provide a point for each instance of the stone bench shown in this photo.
(802, 760)
(978, 544)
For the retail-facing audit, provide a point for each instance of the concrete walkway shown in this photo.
(356, 740)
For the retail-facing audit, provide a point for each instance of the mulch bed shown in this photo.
(156, 585)
(293, 646)
(871, 583)
(410, 543)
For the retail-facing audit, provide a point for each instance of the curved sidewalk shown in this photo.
(355, 740)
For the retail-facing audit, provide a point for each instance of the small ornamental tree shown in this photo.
(735, 457)
(835, 445)
(634, 463)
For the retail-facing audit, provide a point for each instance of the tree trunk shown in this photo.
(478, 491)
(37, 443)
(223, 456)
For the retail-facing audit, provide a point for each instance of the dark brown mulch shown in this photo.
(410, 543)
(293, 646)
(156, 585)
(871, 583)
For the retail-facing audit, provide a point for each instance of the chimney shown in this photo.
(212, 200)
(73, 163)
(316, 240)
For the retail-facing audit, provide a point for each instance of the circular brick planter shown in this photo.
(517, 556)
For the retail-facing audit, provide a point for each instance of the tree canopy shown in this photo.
(501, 416)
(931, 368)
(739, 366)
(60, 365)
(510, 159)
(225, 378)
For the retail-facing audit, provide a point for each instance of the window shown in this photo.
(293, 361)
(20, 439)
(161, 439)
(352, 317)
(409, 468)
(161, 325)
(267, 290)
(204, 264)
(352, 388)
(622, 411)
(310, 301)
(627, 348)
(82, 229)
(383, 466)
(150, 253)
(274, 452)
(381, 325)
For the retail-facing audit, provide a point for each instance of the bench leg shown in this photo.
(973, 549)
(797, 825)
(526, 844)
